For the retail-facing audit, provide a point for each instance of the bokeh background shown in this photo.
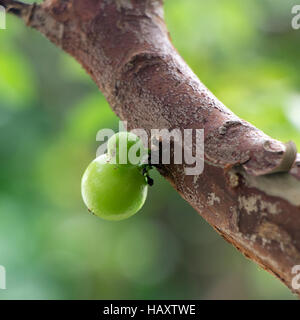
(50, 111)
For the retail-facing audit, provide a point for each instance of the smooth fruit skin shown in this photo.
(113, 191)
(120, 144)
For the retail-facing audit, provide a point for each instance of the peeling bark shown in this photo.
(250, 188)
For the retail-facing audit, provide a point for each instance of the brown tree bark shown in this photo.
(250, 188)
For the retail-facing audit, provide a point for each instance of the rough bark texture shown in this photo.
(250, 188)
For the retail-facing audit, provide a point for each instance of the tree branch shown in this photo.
(250, 189)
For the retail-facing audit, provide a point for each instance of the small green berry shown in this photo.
(113, 191)
(126, 148)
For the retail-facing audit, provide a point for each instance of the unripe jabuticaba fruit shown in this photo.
(113, 191)
(126, 148)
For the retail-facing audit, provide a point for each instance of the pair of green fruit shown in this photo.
(113, 187)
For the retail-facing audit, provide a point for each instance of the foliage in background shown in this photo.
(50, 111)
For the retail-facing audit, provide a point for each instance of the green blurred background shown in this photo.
(245, 51)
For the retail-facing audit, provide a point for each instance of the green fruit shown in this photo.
(113, 191)
(126, 148)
